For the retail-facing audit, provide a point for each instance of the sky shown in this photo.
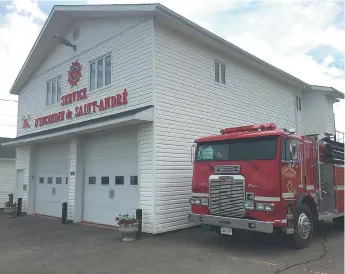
(303, 38)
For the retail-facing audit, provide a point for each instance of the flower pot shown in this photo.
(129, 230)
(10, 210)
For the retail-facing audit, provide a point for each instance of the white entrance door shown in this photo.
(51, 179)
(111, 176)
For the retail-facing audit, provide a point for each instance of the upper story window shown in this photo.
(298, 103)
(100, 72)
(219, 72)
(53, 92)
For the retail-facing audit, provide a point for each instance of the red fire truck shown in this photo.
(265, 179)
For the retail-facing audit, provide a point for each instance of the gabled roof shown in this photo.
(63, 16)
(331, 92)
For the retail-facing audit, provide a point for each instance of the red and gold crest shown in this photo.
(74, 74)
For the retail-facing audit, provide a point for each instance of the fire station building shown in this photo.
(111, 98)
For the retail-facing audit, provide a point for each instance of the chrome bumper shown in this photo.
(259, 226)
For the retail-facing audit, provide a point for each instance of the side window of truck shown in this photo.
(289, 150)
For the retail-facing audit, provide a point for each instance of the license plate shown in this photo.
(226, 230)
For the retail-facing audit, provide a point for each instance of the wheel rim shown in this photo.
(304, 226)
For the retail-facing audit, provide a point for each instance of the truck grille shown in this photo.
(227, 197)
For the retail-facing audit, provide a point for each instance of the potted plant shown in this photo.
(10, 206)
(128, 226)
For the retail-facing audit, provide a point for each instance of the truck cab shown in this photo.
(255, 178)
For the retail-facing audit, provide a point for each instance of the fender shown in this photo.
(310, 201)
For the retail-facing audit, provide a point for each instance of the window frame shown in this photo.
(298, 103)
(58, 96)
(220, 64)
(95, 61)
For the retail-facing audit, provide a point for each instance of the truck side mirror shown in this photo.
(192, 153)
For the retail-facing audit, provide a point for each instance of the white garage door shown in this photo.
(7, 180)
(51, 179)
(111, 176)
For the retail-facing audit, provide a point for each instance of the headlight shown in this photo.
(198, 201)
(264, 207)
(249, 204)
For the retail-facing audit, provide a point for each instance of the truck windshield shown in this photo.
(257, 148)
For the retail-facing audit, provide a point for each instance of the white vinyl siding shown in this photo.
(185, 80)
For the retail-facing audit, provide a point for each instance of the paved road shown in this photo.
(36, 245)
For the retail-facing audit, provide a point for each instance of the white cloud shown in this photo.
(280, 33)
(16, 39)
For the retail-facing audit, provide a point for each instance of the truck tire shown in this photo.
(339, 223)
(303, 224)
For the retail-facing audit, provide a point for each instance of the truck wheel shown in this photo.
(303, 226)
(339, 223)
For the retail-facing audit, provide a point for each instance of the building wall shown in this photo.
(146, 176)
(318, 113)
(329, 115)
(7, 180)
(131, 49)
(23, 159)
(190, 104)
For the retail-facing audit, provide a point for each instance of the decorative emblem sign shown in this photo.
(111, 193)
(74, 74)
(25, 121)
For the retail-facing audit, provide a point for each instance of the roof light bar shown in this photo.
(250, 128)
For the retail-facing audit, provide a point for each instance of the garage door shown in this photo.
(111, 181)
(7, 179)
(51, 180)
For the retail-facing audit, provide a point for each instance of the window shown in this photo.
(219, 73)
(298, 103)
(66, 181)
(41, 180)
(290, 150)
(100, 72)
(50, 180)
(119, 180)
(58, 180)
(257, 148)
(105, 181)
(53, 93)
(134, 180)
(92, 180)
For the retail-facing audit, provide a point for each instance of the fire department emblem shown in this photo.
(25, 121)
(74, 74)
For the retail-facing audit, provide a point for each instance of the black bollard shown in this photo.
(10, 198)
(19, 207)
(64, 213)
(139, 217)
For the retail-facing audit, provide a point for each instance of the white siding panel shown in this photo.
(318, 113)
(190, 104)
(132, 67)
(92, 32)
(329, 115)
(72, 165)
(7, 180)
(23, 163)
(146, 176)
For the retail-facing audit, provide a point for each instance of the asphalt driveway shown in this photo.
(37, 245)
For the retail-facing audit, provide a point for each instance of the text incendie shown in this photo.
(83, 109)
